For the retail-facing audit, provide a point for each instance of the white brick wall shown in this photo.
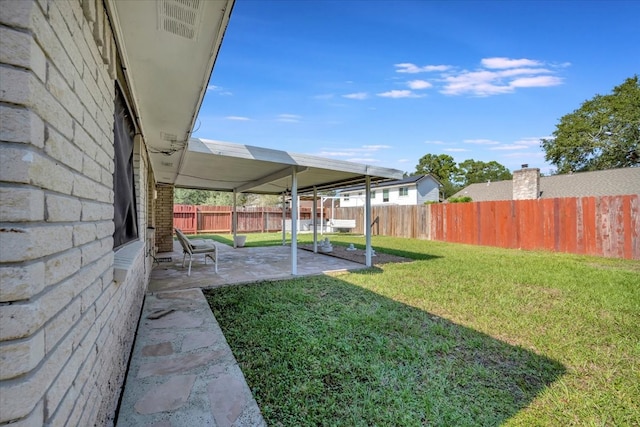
(66, 326)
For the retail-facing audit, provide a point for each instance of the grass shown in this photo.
(463, 335)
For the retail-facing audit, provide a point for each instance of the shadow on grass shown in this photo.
(228, 240)
(320, 351)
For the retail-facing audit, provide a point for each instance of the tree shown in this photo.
(604, 133)
(442, 166)
(476, 171)
(183, 196)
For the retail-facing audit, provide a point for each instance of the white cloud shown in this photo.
(219, 90)
(324, 96)
(455, 150)
(419, 84)
(481, 141)
(407, 67)
(501, 75)
(501, 62)
(403, 160)
(375, 147)
(524, 154)
(288, 118)
(479, 83)
(364, 160)
(398, 94)
(239, 118)
(357, 95)
(435, 142)
(530, 141)
(335, 153)
(538, 81)
(364, 150)
(510, 147)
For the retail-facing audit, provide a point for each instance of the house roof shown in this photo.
(414, 179)
(609, 182)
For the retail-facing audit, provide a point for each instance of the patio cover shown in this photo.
(224, 166)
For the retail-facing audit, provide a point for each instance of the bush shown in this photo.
(462, 199)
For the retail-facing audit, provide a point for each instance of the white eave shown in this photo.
(167, 50)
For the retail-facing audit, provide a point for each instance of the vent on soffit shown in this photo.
(180, 17)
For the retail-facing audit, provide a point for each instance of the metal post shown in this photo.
(284, 220)
(367, 220)
(314, 214)
(234, 219)
(294, 221)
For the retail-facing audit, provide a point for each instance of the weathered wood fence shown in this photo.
(603, 226)
(218, 219)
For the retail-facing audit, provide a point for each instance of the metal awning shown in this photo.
(224, 166)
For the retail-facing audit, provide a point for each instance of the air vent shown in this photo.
(169, 137)
(180, 17)
(167, 164)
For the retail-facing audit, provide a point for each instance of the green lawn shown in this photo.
(463, 335)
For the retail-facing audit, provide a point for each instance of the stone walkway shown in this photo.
(182, 371)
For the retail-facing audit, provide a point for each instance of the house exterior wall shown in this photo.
(164, 219)
(418, 193)
(69, 305)
(428, 190)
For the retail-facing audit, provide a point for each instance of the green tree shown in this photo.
(476, 171)
(441, 166)
(183, 196)
(604, 133)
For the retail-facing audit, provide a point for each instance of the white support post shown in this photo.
(284, 220)
(234, 219)
(367, 220)
(314, 222)
(298, 217)
(322, 199)
(294, 221)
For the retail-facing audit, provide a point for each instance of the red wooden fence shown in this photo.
(603, 226)
(218, 219)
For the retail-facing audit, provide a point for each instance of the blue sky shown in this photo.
(386, 82)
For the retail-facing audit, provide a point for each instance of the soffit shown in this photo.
(168, 49)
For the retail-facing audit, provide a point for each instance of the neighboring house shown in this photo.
(528, 184)
(413, 190)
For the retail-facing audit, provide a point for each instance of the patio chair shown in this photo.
(195, 247)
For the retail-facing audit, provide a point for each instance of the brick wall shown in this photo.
(66, 326)
(164, 218)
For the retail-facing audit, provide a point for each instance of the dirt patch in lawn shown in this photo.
(358, 255)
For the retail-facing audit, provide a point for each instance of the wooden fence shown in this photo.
(603, 226)
(218, 219)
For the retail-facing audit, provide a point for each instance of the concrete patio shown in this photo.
(182, 371)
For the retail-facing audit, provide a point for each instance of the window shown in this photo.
(346, 197)
(385, 195)
(403, 191)
(125, 217)
(373, 194)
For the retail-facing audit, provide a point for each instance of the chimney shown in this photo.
(526, 183)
